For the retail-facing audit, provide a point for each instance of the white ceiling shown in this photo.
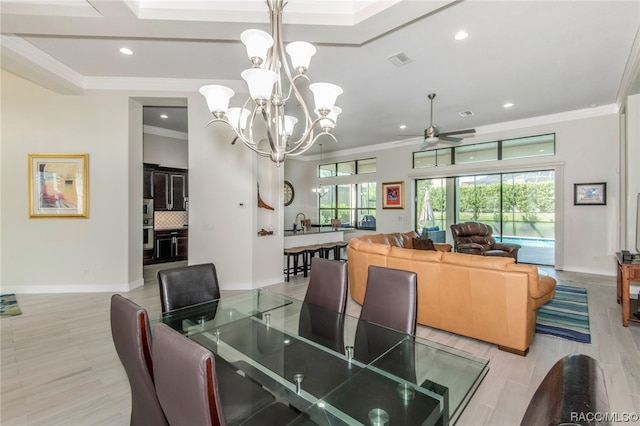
(545, 57)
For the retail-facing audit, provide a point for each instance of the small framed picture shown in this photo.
(393, 195)
(590, 194)
(59, 185)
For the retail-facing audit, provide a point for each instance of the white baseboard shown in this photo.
(71, 288)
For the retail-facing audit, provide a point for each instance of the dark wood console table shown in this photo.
(627, 272)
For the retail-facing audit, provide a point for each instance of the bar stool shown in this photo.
(340, 245)
(295, 252)
(310, 251)
(326, 248)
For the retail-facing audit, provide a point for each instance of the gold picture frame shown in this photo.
(393, 195)
(59, 186)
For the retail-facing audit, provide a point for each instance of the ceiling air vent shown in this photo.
(466, 113)
(400, 59)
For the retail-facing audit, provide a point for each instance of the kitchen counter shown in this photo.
(310, 231)
(312, 236)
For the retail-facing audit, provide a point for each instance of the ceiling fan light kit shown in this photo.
(271, 85)
(432, 135)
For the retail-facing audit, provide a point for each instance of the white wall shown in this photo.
(50, 255)
(103, 253)
(165, 151)
(631, 159)
(587, 150)
(302, 176)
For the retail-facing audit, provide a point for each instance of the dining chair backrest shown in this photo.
(196, 389)
(132, 339)
(328, 284)
(391, 299)
(185, 379)
(188, 285)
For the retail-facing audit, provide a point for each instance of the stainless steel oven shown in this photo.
(147, 224)
(147, 209)
(147, 235)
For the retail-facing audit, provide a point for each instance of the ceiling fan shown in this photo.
(432, 134)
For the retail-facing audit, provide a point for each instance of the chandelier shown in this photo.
(271, 86)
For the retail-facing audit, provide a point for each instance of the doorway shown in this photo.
(165, 166)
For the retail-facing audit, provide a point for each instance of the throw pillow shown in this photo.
(423, 244)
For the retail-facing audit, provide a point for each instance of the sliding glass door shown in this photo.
(520, 207)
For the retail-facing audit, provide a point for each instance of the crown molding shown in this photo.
(23, 58)
(158, 84)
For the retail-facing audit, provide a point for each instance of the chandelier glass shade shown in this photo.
(271, 86)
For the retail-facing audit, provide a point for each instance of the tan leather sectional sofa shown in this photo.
(487, 298)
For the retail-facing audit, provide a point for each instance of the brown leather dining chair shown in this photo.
(327, 286)
(188, 285)
(132, 338)
(391, 299)
(190, 392)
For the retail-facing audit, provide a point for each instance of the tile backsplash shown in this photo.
(170, 219)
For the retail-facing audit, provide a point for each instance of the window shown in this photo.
(476, 153)
(432, 158)
(353, 204)
(534, 146)
(347, 168)
(531, 146)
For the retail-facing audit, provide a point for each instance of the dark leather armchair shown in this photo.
(476, 238)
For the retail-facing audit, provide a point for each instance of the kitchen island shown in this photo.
(312, 236)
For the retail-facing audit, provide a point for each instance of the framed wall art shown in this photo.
(590, 194)
(393, 195)
(58, 185)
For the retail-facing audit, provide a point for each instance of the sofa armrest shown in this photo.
(470, 248)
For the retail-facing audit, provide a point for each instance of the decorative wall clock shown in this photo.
(289, 193)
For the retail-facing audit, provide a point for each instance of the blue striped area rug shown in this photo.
(9, 305)
(566, 315)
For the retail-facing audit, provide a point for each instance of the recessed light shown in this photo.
(461, 35)
(126, 51)
(403, 126)
(508, 105)
(164, 116)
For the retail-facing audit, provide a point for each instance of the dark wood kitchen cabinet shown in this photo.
(147, 182)
(170, 189)
(171, 245)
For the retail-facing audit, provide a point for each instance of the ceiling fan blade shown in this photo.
(458, 132)
(424, 145)
(449, 138)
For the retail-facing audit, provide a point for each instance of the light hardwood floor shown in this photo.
(59, 366)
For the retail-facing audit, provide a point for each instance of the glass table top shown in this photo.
(336, 369)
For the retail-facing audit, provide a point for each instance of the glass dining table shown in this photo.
(334, 368)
